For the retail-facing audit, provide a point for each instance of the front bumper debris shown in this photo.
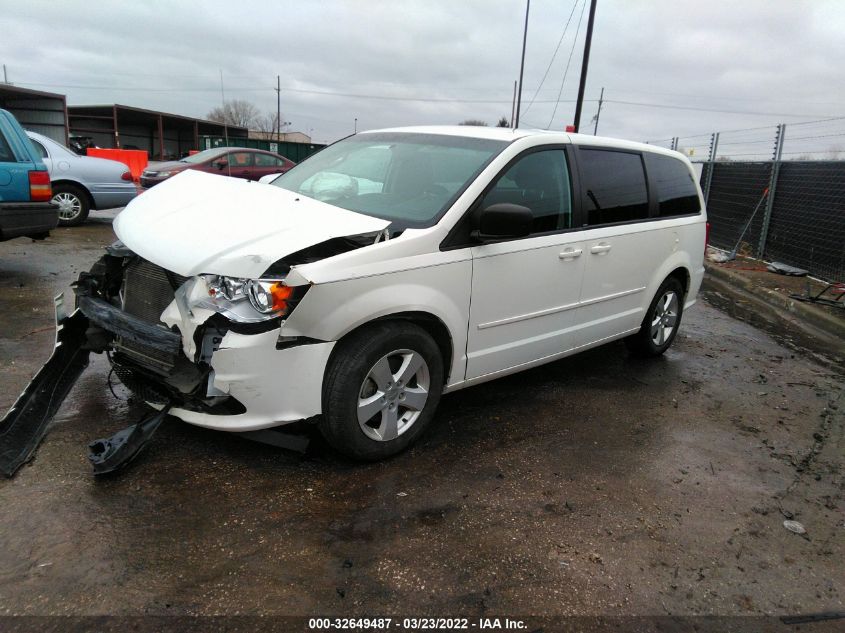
(111, 454)
(25, 425)
(129, 327)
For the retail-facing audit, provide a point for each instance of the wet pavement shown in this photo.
(595, 485)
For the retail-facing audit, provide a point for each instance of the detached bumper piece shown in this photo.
(111, 454)
(25, 425)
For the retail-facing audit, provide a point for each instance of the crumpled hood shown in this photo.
(202, 223)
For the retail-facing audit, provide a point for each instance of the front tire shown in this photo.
(381, 389)
(73, 204)
(661, 322)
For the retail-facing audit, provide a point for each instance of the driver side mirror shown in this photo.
(221, 164)
(503, 221)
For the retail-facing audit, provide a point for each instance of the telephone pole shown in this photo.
(584, 64)
(278, 109)
(522, 64)
(598, 113)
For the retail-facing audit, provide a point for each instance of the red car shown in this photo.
(238, 162)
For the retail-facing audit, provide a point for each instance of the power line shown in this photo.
(697, 109)
(566, 71)
(296, 90)
(552, 61)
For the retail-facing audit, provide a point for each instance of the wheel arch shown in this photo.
(78, 185)
(682, 274)
(432, 324)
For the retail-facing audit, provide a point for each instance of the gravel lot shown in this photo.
(594, 485)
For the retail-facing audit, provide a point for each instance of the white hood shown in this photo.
(202, 223)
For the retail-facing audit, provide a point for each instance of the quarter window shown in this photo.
(614, 186)
(6, 155)
(676, 190)
(539, 181)
(41, 149)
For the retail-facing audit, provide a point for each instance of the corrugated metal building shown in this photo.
(165, 136)
(42, 112)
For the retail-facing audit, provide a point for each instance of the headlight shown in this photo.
(247, 300)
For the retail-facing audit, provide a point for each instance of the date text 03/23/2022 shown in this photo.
(416, 624)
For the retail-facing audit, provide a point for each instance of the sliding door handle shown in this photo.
(602, 247)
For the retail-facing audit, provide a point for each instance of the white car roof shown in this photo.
(507, 134)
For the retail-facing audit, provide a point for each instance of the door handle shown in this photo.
(570, 253)
(602, 247)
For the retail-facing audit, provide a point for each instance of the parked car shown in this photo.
(25, 193)
(82, 183)
(238, 162)
(384, 271)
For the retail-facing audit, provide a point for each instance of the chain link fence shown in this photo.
(786, 182)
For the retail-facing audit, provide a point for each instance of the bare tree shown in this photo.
(476, 122)
(236, 112)
(503, 122)
(266, 123)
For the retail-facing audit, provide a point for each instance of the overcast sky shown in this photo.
(409, 62)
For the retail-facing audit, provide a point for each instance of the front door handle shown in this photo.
(601, 247)
(570, 254)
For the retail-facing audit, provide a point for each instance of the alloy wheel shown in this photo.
(70, 206)
(393, 395)
(665, 318)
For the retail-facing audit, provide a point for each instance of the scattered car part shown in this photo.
(836, 298)
(111, 454)
(25, 425)
(786, 269)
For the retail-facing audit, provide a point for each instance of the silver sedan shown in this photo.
(82, 183)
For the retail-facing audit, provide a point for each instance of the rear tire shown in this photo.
(73, 204)
(661, 322)
(382, 386)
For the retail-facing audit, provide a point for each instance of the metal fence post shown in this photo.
(773, 181)
(711, 165)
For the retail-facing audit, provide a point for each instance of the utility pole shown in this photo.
(513, 104)
(522, 64)
(584, 64)
(5, 78)
(278, 109)
(598, 112)
(355, 129)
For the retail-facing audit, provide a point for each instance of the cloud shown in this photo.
(750, 56)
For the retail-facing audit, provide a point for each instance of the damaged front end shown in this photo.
(131, 310)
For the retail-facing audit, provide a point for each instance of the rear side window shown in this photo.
(6, 155)
(614, 186)
(676, 190)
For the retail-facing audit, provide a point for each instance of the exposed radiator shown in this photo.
(147, 290)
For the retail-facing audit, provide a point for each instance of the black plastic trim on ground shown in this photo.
(25, 425)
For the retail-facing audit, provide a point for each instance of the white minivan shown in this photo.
(388, 269)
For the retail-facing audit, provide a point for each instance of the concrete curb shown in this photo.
(805, 311)
(815, 323)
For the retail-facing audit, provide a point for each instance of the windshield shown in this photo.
(206, 154)
(410, 179)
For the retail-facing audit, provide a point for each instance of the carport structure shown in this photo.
(164, 136)
(42, 112)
